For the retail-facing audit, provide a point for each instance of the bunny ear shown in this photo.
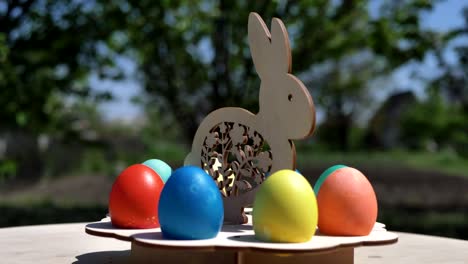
(280, 45)
(270, 53)
(259, 42)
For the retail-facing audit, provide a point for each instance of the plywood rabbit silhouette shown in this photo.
(239, 148)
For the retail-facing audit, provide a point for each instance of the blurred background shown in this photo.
(88, 88)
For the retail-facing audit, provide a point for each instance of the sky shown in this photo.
(446, 15)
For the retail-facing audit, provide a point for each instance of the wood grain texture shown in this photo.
(226, 137)
(142, 254)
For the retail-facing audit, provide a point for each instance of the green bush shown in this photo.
(7, 169)
(438, 123)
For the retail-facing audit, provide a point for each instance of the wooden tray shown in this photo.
(237, 244)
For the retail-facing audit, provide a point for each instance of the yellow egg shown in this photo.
(285, 209)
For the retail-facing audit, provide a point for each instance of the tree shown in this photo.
(193, 55)
(343, 90)
(445, 128)
(452, 84)
(447, 99)
(47, 51)
(51, 47)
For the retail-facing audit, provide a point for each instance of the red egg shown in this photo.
(134, 198)
(347, 203)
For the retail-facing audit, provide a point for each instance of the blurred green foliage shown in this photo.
(447, 100)
(52, 47)
(436, 125)
(7, 169)
(194, 60)
(448, 224)
(444, 161)
(3, 48)
(441, 119)
(47, 212)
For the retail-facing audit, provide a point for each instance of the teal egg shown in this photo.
(324, 176)
(160, 167)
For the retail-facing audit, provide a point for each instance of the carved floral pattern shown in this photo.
(236, 156)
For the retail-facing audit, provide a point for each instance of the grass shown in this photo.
(46, 212)
(448, 224)
(443, 162)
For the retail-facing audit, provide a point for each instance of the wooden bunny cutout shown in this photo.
(238, 148)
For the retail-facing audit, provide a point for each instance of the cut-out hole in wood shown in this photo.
(236, 156)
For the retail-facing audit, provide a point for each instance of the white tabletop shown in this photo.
(68, 243)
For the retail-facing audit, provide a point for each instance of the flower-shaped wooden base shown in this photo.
(237, 244)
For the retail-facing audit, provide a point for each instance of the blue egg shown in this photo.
(190, 205)
(160, 167)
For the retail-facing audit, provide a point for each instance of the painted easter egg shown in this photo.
(285, 209)
(324, 175)
(268, 173)
(160, 167)
(346, 201)
(191, 206)
(133, 201)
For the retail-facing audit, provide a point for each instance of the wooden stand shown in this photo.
(237, 244)
(145, 254)
(239, 150)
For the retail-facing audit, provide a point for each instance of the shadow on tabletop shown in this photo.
(117, 256)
